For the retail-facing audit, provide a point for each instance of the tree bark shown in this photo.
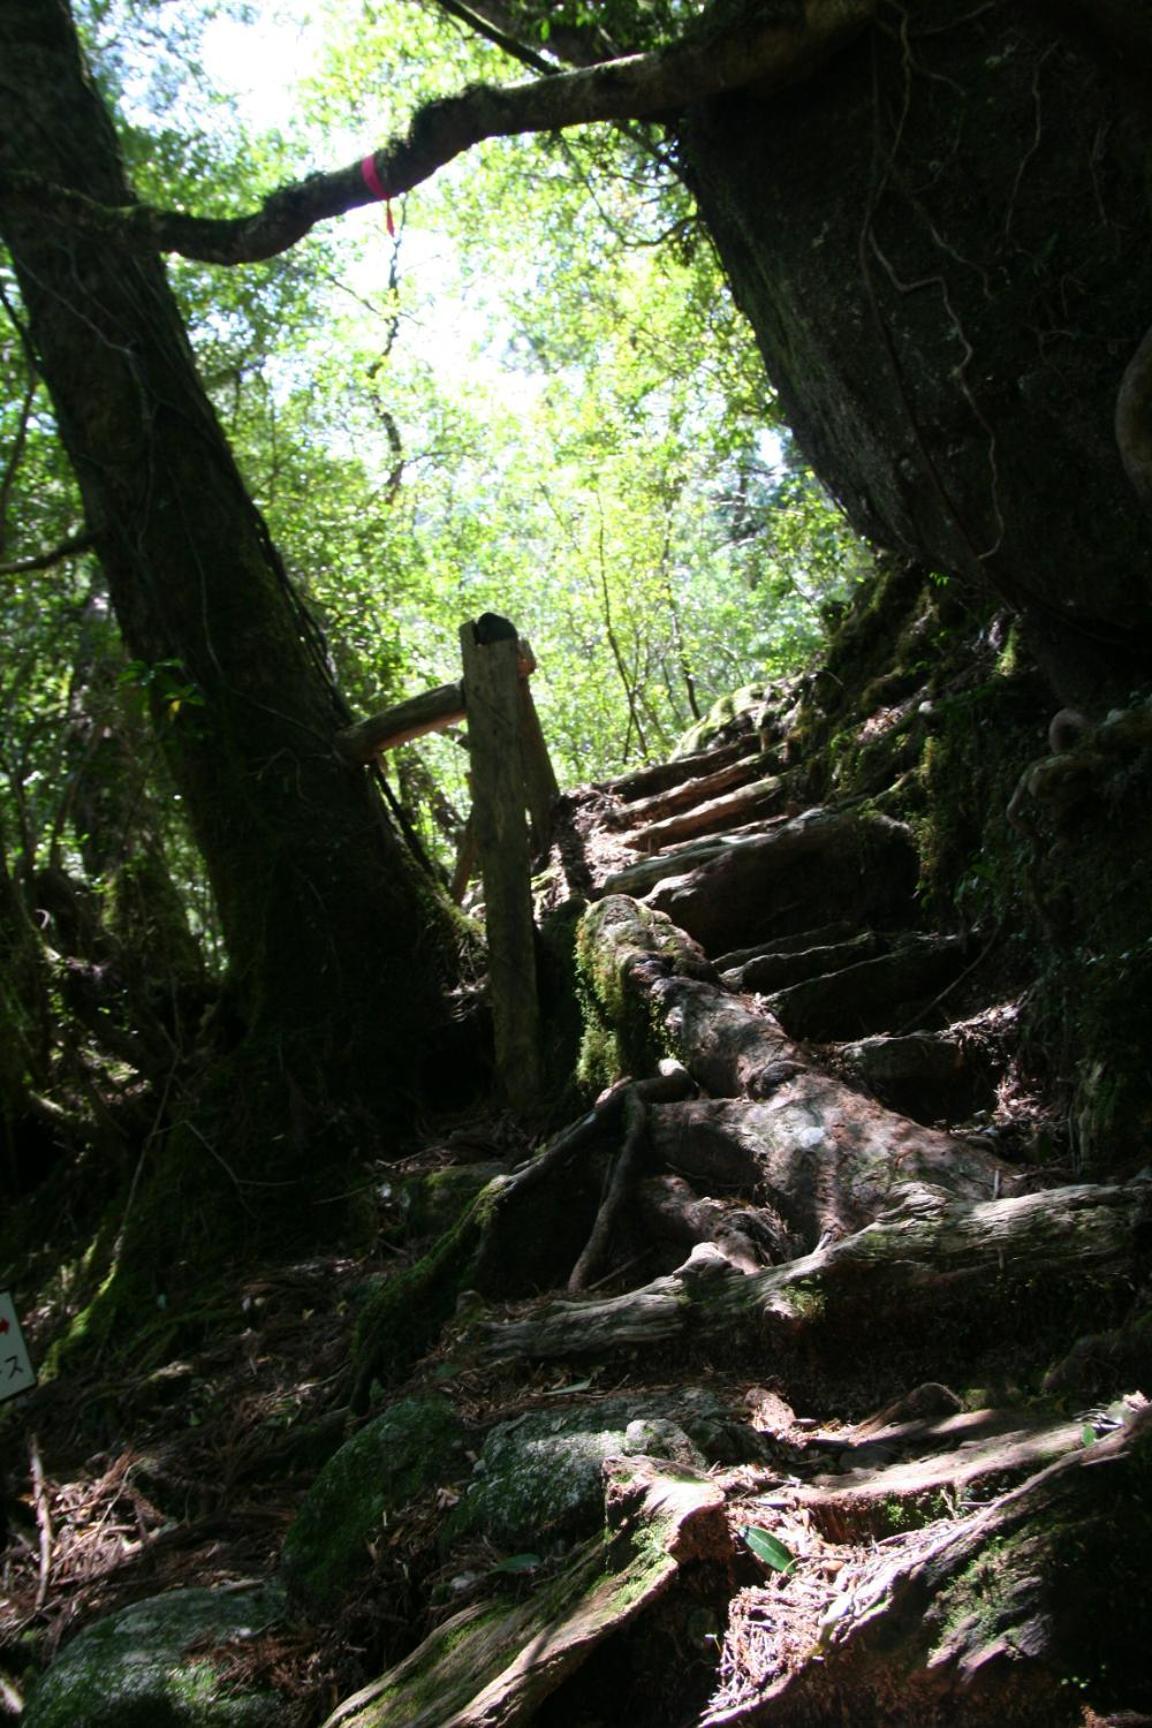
(843, 215)
(431, 711)
(929, 1252)
(330, 932)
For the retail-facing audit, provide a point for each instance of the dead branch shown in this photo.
(43, 1521)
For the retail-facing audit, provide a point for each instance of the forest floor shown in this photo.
(879, 1339)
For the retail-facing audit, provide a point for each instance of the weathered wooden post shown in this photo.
(510, 769)
(492, 686)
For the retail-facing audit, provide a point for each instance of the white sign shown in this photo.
(16, 1371)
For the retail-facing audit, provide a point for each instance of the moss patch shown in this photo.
(415, 1444)
(134, 1670)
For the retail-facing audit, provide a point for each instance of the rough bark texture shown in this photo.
(794, 877)
(326, 923)
(927, 1252)
(941, 242)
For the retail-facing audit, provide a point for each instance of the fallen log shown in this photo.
(930, 1283)
(643, 782)
(431, 711)
(697, 790)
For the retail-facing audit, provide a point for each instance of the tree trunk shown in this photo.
(333, 937)
(928, 344)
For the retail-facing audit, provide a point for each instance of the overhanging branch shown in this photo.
(69, 548)
(773, 45)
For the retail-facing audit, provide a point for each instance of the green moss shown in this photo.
(807, 1301)
(149, 1666)
(983, 1598)
(721, 713)
(402, 1317)
(435, 1202)
(623, 1034)
(415, 1444)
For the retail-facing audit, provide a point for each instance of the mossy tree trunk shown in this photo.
(338, 947)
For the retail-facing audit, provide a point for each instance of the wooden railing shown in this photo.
(512, 782)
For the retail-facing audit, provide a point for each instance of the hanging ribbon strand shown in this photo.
(370, 175)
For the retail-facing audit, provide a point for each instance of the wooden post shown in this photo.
(492, 687)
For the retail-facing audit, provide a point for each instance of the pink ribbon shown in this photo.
(371, 178)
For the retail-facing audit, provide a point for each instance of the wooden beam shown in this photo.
(491, 678)
(714, 816)
(431, 711)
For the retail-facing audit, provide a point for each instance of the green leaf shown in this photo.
(769, 1549)
(519, 1563)
(1088, 1434)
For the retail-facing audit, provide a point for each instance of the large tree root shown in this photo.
(935, 1284)
(507, 1241)
(492, 1664)
(803, 872)
(810, 1156)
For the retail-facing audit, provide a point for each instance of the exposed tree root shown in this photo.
(491, 1664)
(926, 1269)
(983, 1619)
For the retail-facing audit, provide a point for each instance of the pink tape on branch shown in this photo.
(371, 179)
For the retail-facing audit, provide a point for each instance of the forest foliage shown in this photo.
(536, 397)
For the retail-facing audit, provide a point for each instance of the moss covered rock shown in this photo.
(540, 1477)
(151, 1666)
(417, 1443)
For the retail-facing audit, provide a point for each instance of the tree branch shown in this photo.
(503, 39)
(45, 560)
(777, 44)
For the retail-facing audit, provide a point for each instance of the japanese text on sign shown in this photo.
(16, 1371)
